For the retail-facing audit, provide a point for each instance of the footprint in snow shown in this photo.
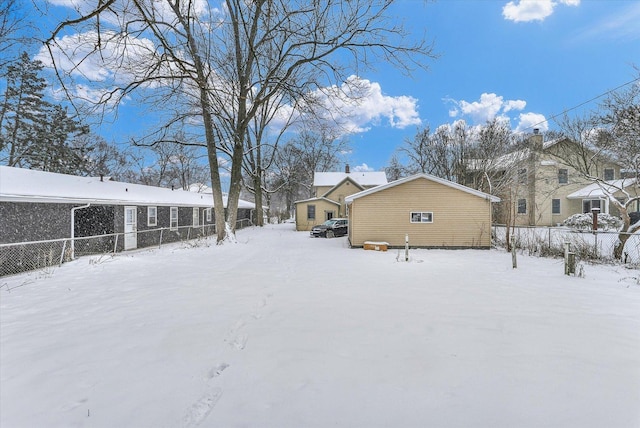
(201, 409)
(217, 370)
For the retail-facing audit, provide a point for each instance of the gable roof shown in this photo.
(318, 199)
(342, 182)
(363, 178)
(595, 190)
(429, 177)
(27, 185)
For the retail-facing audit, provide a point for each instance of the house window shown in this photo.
(196, 217)
(421, 217)
(311, 212)
(522, 176)
(173, 222)
(152, 216)
(328, 215)
(589, 204)
(522, 206)
(555, 206)
(563, 176)
(609, 174)
(208, 211)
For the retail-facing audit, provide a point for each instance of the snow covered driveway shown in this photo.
(282, 330)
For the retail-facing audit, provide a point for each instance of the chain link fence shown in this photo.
(26, 256)
(550, 241)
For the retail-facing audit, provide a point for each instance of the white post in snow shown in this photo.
(406, 247)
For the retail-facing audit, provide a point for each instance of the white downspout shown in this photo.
(73, 230)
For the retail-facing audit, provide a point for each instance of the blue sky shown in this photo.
(496, 59)
(521, 60)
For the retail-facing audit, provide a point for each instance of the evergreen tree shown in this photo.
(33, 132)
(23, 110)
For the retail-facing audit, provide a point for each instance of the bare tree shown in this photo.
(619, 135)
(235, 59)
(442, 153)
(395, 170)
(11, 21)
(609, 135)
(297, 160)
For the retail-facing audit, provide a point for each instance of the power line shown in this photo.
(582, 103)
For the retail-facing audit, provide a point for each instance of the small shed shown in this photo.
(433, 212)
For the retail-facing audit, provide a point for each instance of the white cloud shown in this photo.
(514, 105)
(356, 106)
(120, 59)
(489, 106)
(532, 10)
(362, 168)
(528, 121)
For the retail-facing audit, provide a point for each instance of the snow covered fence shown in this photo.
(25, 256)
(550, 241)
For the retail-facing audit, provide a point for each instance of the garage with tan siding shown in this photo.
(433, 212)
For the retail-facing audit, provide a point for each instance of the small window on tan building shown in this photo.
(609, 174)
(522, 206)
(421, 217)
(555, 206)
(563, 176)
(311, 212)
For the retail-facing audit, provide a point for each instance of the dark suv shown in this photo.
(331, 228)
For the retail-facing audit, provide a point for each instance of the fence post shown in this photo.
(160, 241)
(406, 247)
(64, 247)
(115, 244)
(569, 260)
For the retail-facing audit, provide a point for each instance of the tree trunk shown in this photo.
(257, 192)
(618, 249)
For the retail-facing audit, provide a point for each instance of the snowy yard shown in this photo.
(282, 330)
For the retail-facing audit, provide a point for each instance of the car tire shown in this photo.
(330, 234)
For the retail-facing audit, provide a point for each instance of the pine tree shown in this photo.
(23, 109)
(33, 132)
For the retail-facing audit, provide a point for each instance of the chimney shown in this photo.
(346, 168)
(536, 140)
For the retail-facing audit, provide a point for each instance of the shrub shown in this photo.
(585, 222)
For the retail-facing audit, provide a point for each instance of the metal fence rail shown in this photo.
(550, 241)
(26, 256)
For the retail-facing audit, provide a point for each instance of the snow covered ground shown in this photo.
(282, 330)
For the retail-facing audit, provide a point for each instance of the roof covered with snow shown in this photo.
(430, 177)
(363, 178)
(26, 185)
(602, 189)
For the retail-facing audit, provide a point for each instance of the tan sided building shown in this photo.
(434, 212)
(330, 190)
(541, 178)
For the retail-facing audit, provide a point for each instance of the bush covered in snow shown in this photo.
(585, 222)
